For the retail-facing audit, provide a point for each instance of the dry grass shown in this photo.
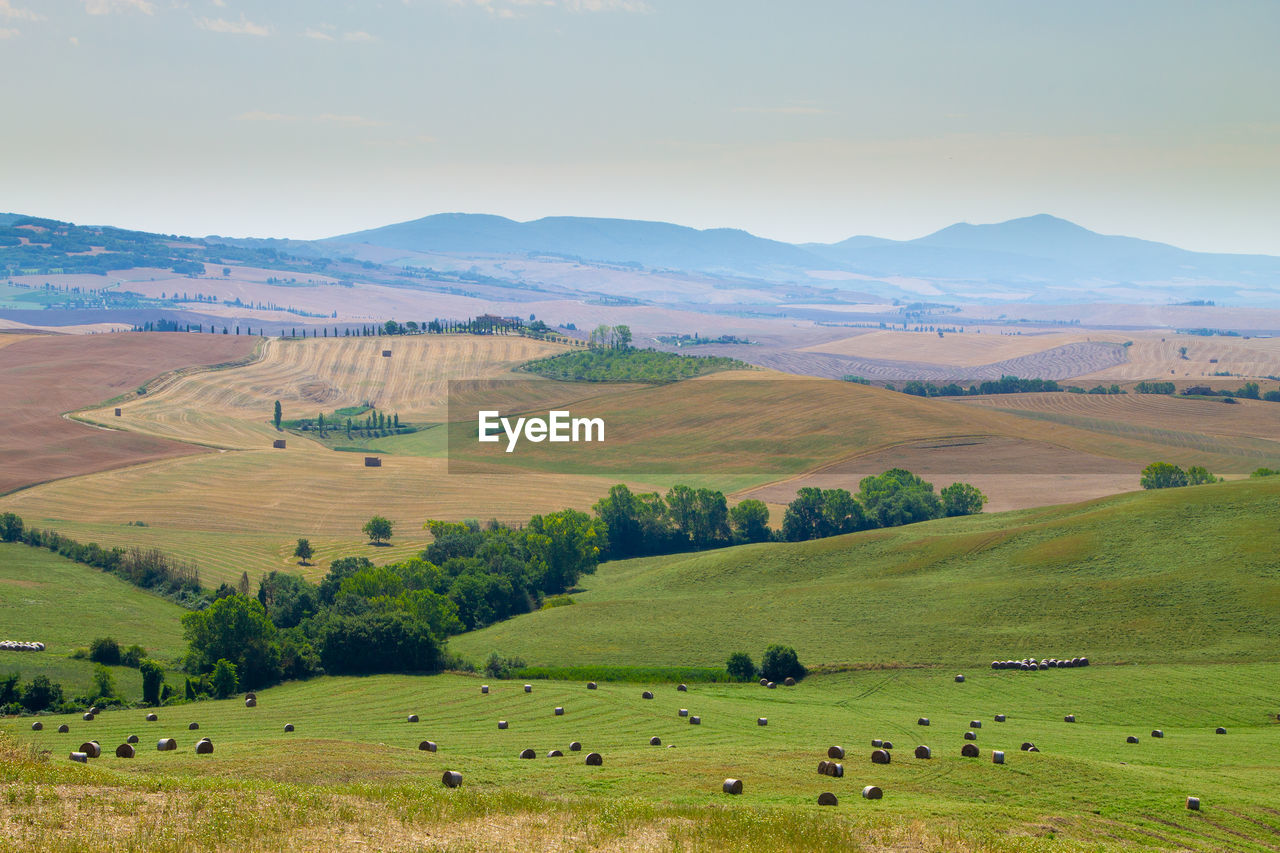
(970, 349)
(1157, 356)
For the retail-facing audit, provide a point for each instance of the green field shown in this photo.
(49, 599)
(1177, 575)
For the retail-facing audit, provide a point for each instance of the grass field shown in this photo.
(352, 770)
(46, 598)
(1181, 575)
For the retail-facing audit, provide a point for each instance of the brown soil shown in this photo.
(45, 376)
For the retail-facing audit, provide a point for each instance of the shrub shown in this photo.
(105, 650)
(103, 684)
(498, 666)
(741, 666)
(152, 681)
(1162, 475)
(133, 656)
(781, 662)
(41, 693)
(224, 679)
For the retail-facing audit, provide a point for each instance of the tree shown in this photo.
(243, 586)
(741, 666)
(622, 337)
(103, 684)
(105, 650)
(378, 529)
(563, 546)
(750, 521)
(10, 527)
(224, 679)
(1248, 391)
(898, 497)
(1162, 475)
(1198, 475)
(303, 552)
(962, 499)
(279, 414)
(41, 693)
(780, 662)
(236, 628)
(152, 681)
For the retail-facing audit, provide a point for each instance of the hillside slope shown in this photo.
(1184, 575)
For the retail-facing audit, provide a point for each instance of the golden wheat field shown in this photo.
(232, 408)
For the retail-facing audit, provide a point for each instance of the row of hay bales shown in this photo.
(1033, 665)
(20, 646)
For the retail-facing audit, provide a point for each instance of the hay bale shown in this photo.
(79, 756)
(969, 751)
(880, 756)
(451, 778)
(871, 792)
(151, 718)
(288, 727)
(835, 752)
(923, 721)
(1033, 749)
(888, 744)
(975, 724)
(923, 751)
(822, 766)
(1027, 746)
(997, 756)
(528, 753)
(591, 685)
(427, 746)
(695, 721)
(1219, 731)
(193, 726)
(684, 712)
(655, 741)
(95, 710)
(683, 688)
(528, 688)
(1083, 662)
(648, 694)
(1000, 718)
(166, 744)
(131, 739)
(92, 749)
(413, 718)
(1157, 733)
(1069, 718)
(995, 664)
(37, 726)
(1193, 803)
(835, 770)
(959, 679)
(118, 412)
(594, 759)
(484, 688)
(559, 712)
(63, 729)
(125, 750)
(251, 703)
(762, 721)
(970, 735)
(575, 747)
(278, 444)
(732, 786)
(876, 742)
(373, 462)
(772, 686)
(789, 681)
(1131, 739)
(555, 753)
(87, 717)
(826, 798)
(502, 724)
(386, 353)
(204, 747)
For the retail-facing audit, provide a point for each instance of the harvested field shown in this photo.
(955, 350)
(1157, 356)
(43, 376)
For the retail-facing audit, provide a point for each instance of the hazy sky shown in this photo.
(794, 119)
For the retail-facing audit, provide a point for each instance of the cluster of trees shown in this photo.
(893, 498)
(610, 337)
(685, 519)
(1003, 385)
(1164, 475)
(778, 664)
(1154, 388)
(628, 365)
(1247, 391)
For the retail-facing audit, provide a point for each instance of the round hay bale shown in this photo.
(995, 664)
(251, 695)
(1069, 718)
(151, 718)
(871, 792)
(193, 726)
(695, 721)
(37, 726)
(1034, 749)
(880, 756)
(1157, 733)
(835, 770)
(1027, 746)
(79, 756)
(1131, 739)
(95, 710)
(970, 735)
(594, 759)
(764, 682)
(166, 744)
(762, 721)
(876, 742)
(204, 747)
(413, 718)
(923, 721)
(923, 751)
(92, 749)
(684, 712)
(835, 752)
(997, 756)
(555, 753)
(772, 685)
(484, 688)
(125, 750)
(528, 688)
(591, 685)
(975, 724)
(575, 747)
(888, 744)
(1193, 803)
(528, 753)
(732, 786)
(655, 741)
(559, 711)
(1000, 718)
(969, 751)
(251, 703)
(1219, 731)
(822, 766)
(427, 746)
(451, 778)
(789, 681)
(87, 717)
(959, 679)
(683, 688)
(63, 729)
(1083, 662)
(1034, 667)
(648, 694)
(826, 798)
(131, 739)
(502, 724)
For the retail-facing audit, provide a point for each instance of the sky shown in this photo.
(808, 120)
